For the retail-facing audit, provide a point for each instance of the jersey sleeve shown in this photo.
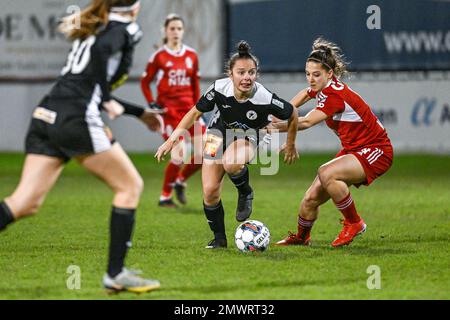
(207, 101)
(133, 35)
(148, 76)
(311, 93)
(280, 108)
(112, 41)
(196, 81)
(330, 104)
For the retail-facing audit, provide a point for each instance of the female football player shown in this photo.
(244, 107)
(366, 153)
(67, 124)
(176, 70)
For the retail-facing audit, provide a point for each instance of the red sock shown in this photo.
(171, 174)
(189, 169)
(304, 228)
(347, 207)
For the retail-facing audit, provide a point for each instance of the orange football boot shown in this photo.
(349, 232)
(294, 240)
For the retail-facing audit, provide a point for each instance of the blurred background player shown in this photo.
(67, 124)
(175, 68)
(244, 107)
(367, 151)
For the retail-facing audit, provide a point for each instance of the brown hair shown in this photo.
(90, 19)
(171, 17)
(329, 55)
(243, 53)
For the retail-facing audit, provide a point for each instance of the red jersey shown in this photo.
(177, 78)
(349, 116)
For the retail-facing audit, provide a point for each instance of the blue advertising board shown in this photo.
(374, 35)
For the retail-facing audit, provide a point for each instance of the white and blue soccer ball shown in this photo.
(252, 235)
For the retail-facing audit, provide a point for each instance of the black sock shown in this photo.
(216, 219)
(121, 229)
(6, 216)
(242, 181)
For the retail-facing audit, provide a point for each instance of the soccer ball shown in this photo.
(252, 235)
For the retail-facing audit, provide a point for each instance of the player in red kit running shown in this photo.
(367, 152)
(175, 68)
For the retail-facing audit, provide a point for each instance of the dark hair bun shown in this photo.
(243, 48)
(322, 47)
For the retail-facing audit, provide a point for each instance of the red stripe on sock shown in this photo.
(347, 207)
(304, 228)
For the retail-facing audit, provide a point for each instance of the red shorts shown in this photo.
(375, 160)
(170, 122)
(176, 109)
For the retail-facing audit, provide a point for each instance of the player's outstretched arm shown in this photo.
(290, 152)
(185, 124)
(113, 108)
(311, 119)
(300, 98)
(152, 120)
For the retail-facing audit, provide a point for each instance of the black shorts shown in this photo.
(219, 138)
(65, 128)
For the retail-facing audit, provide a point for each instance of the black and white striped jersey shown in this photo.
(251, 114)
(100, 62)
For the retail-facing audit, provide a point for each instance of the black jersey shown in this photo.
(251, 114)
(67, 122)
(99, 62)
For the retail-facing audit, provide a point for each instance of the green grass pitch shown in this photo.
(407, 212)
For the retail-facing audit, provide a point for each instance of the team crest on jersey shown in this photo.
(210, 95)
(252, 115)
(189, 63)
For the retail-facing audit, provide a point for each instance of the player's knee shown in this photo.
(176, 159)
(325, 175)
(132, 189)
(137, 186)
(177, 154)
(211, 194)
(232, 168)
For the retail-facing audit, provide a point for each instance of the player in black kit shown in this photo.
(67, 124)
(243, 108)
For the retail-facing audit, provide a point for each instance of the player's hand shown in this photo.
(156, 108)
(269, 128)
(113, 108)
(290, 153)
(153, 121)
(164, 149)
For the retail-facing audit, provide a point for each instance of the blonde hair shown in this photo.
(89, 20)
(330, 56)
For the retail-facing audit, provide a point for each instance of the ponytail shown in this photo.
(88, 21)
(329, 55)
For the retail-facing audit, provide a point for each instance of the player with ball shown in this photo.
(244, 107)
